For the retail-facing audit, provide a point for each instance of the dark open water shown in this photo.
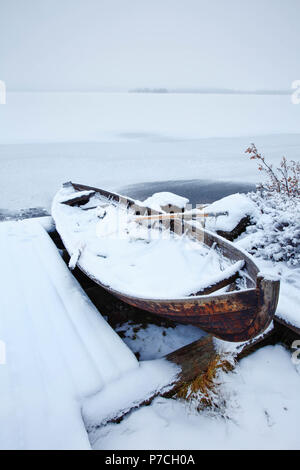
(197, 191)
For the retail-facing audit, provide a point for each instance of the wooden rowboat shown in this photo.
(219, 309)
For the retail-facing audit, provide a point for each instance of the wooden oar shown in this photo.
(181, 215)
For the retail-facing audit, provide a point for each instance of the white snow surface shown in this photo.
(133, 389)
(154, 342)
(259, 409)
(58, 347)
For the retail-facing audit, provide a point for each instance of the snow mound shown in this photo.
(237, 205)
(159, 200)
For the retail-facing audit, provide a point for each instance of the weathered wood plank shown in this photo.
(237, 231)
(79, 201)
(287, 325)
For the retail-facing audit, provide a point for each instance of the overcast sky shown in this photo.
(91, 44)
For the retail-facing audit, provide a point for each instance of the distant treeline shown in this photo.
(150, 90)
(220, 91)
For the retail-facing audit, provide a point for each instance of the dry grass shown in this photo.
(203, 388)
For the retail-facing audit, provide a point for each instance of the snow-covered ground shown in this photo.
(154, 342)
(261, 411)
(115, 140)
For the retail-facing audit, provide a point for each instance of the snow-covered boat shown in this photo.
(172, 269)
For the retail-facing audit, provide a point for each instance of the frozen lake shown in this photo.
(109, 117)
(115, 140)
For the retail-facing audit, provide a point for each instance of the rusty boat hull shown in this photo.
(235, 316)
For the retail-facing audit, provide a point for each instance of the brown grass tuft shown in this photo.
(203, 388)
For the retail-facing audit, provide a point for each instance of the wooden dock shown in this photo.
(56, 347)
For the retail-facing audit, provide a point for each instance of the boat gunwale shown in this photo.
(258, 300)
(196, 299)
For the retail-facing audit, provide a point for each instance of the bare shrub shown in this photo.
(284, 180)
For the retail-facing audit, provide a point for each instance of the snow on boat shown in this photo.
(173, 268)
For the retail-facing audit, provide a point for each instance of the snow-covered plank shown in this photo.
(58, 347)
(138, 387)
